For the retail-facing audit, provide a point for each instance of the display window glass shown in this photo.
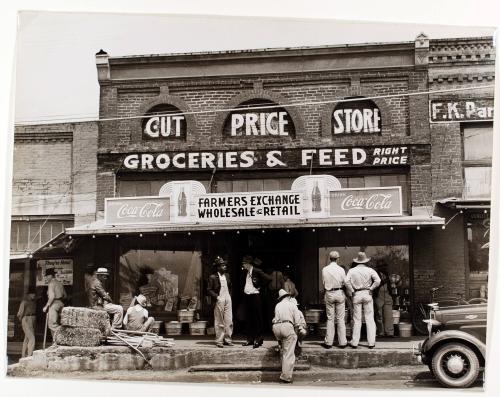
(170, 280)
(391, 259)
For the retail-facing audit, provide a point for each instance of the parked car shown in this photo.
(455, 350)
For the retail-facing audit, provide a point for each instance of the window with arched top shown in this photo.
(259, 117)
(356, 115)
(164, 122)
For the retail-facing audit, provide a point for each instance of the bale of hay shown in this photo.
(82, 317)
(72, 336)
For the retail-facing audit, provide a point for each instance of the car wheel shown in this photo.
(455, 365)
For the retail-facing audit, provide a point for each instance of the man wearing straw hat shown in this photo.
(287, 318)
(219, 288)
(361, 281)
(100, 299)
(137, 317)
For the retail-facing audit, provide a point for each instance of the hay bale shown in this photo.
(71, 336)
(82, 317)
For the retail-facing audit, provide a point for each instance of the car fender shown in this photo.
(453, 336)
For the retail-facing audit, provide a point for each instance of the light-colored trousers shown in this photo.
(117, 312)
(54, 313)
(335, 310)
(363, 303)
(223, 319)
(385, 325)
(28, 325)
(145, 327)
(287, 339)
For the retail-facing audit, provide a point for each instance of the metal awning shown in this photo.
(465, 204)
(100, 228)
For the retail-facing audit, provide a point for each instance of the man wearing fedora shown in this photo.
(99, 299)
(137, 317)
(254, 280)
(361, 281)
(219, 288)
(287, 318)
(56, 294)
(333, 276)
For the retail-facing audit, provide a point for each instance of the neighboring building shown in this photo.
(53, 188)
(462, 147)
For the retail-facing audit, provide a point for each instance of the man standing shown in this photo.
(286, 318)
(219, 288)
(54, 306)
(254, 280)
(333, 283)
(383, 304)
(99, 299)
(137, 317)
(361, 281)
(27, 316)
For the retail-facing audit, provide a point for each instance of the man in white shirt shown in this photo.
(361, 281)
(219, 288)
(333, 276)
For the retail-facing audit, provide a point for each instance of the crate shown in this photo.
(173, 328)
(197, 328)
(313, 315)
(185, 316)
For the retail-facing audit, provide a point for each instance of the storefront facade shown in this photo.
(283, 155)
(277, 123)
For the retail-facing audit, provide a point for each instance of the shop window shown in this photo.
(170, 280)
(478, 237)
(478, 148)
(477, 182)
(392, 259)
(30, 234)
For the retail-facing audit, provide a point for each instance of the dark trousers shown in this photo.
(254, 317)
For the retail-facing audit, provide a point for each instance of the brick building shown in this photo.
(185, 139)
(53, 188)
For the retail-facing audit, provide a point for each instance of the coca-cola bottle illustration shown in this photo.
(182, 203)
(316, 198)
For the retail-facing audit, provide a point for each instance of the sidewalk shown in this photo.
(188, 353)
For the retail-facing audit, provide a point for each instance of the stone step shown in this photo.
(304, 366)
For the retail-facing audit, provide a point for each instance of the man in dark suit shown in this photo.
(253, 280)
(219, 288)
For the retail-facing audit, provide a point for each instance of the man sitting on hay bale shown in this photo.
(99, 299)
(136, 318)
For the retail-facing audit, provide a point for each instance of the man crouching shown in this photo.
(137, 317)
(286, 318)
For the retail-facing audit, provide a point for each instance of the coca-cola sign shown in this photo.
(380, 201)
(137, 210)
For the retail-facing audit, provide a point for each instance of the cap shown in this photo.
(103, 271)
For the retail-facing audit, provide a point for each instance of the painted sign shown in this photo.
(249, 206)
(380, 201)
(356, 117)
(255, 120)
(62, 267)
(271, 159)
(137, 210)
(461, 110)
(165, 122)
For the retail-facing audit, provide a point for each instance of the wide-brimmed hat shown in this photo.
(219, 261)
(247, 259)
(102, 271)
(141, 300)
(257, 262)
(281, 294)
(361, 258)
